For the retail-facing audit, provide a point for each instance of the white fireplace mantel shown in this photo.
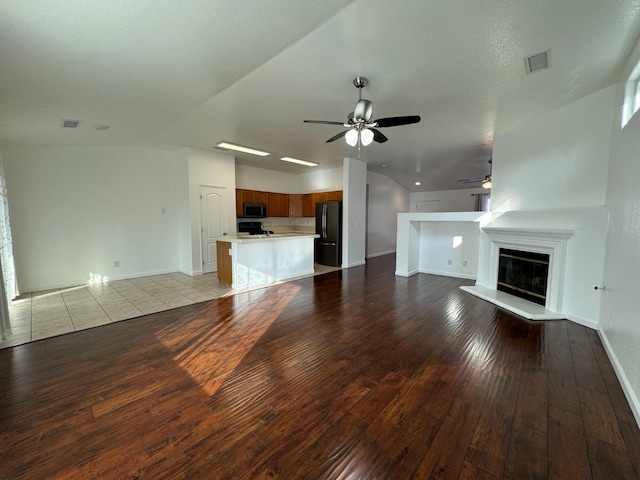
(552, 242)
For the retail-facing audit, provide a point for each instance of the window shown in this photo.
(631, 96)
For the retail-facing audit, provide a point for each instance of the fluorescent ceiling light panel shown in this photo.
(300, 162)
(240, 148)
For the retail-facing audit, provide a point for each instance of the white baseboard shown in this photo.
(585, 322)
(381, 254)
(86, 281)
(406, 274)
(466, 276)
(354, 264)
(634, 403)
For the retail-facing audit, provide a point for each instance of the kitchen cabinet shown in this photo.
(295, 205)
(283, 204)
(239, 201)
(277, 204)
(308, 205)
(225, 270)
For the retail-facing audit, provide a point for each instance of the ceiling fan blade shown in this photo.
(396, 121)
(325, 122)
(336, 137)
(363, 110)
(378, 136)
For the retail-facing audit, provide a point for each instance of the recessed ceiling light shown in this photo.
(300, 162)
(383, 166)
(418, 183)
(240, 148)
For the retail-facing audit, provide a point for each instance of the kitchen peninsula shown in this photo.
(253, 261)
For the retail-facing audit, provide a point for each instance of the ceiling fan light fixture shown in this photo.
(352, 137)
(240, 148)
(366, 137)
(299, 162)
(487, 182)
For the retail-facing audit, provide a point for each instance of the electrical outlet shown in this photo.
(286, 262)
(610, 320)
(464, 264)
(449, 262)
(116, 263)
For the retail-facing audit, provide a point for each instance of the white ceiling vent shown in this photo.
(537, 61)
(70, 123)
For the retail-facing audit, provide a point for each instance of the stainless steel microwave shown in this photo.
(254, 210)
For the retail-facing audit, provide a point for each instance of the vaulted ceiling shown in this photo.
(195, 72)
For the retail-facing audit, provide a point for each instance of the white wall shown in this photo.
(449, 248)
(212, 169)
(76, 210)
(585, 257)
(252, 178)
(621, 302)
(354, 213)
(577, 156)
(557, 160)
(450, 200)
(321, 181)
(385, 200)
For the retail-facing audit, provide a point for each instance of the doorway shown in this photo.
(214, 223)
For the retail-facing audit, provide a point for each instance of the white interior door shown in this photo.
(213, 209)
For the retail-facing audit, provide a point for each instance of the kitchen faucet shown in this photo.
(265, 227)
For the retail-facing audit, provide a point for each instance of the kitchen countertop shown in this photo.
(246, 238)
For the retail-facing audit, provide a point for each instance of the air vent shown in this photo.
(70, 123)
(538, 61)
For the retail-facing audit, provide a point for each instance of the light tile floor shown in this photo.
(46, 314)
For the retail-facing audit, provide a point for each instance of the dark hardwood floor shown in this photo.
(355, 374)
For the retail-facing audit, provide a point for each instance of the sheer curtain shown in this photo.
(8, 283)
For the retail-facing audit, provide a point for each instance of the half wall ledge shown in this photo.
(524, 308)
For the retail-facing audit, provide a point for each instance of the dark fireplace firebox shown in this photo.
(524, 274)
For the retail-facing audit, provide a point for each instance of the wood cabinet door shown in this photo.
(260, 197)
(239, 201)
(283, 204)
(308, 205)
(337, 195)
(295, 205)
(225, 269)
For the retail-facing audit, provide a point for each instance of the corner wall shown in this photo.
(619, 323)
(212, 169)
(77, 210)
(385, 200)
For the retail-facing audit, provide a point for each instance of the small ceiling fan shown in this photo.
(361, 129)
(486, 181)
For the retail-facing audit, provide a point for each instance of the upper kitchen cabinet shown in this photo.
(295, 205)
(308, 205)
(283, 204)
(277, 204)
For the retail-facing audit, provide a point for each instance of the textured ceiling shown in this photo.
(193, 73)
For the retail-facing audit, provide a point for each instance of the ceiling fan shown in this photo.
(486, 181)
(361, 129)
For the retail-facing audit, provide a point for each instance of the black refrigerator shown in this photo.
(329, 227)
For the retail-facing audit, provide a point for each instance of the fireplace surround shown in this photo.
(548, 242)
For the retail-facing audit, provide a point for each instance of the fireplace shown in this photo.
(523, 274)
(524, 250)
